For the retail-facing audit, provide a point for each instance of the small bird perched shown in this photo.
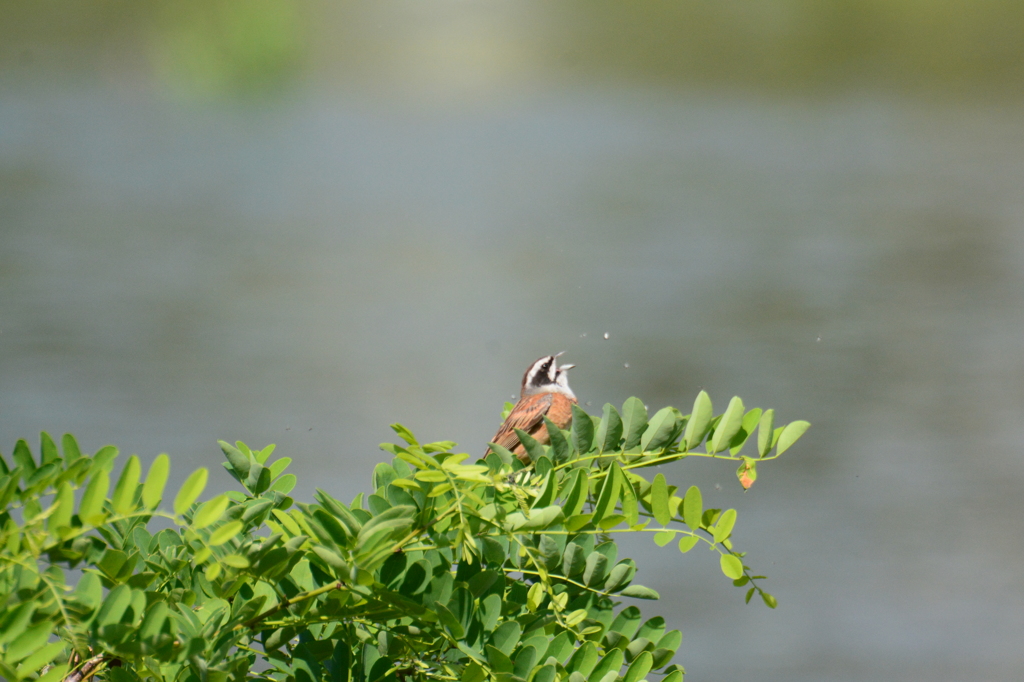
(545, 391)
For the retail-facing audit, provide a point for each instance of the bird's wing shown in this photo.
(524, 416)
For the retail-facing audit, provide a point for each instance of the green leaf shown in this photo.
(90, 509)
(337, 532)
(640, 666)
(210, 511)
(23, 458)
(471, 673)
(383, 474)
(190, 490)
(790, 434)
(239, 463)
(664, 537)
(609, 496)
(728, 426)
(261, 456)
(259, 479)
(560, 647)
(693, 507)
(663, 429)
(225, 533)
(574, 559)
(674, 676)
(652, 630)
(525, 660)
(28, 642)
(65, 500)
(43, 656)
(89, 590)
(341, 512)
(583, 660)
(47, 448)
(627, 622)
(559, 445)
(640, 592)
(278, 467)
(504, 454)
(15, 620)
(620, 574)
(609, 664)
(610, 521)
(547, 493)
(578, 489)
(545, 674)
(70, 447)
(723, 528)
(764, 432)
(532, 446)
(688, 542)
(659, 500)
(238, 561)
(671, 640)
(542, 518)
(332, 559)
(499, 661)
(124, 492)
(506, 637)
(750, 421)
(769, 600)
(405, 434)
(596, 569)
(700, 420)
(254, 509)
(610, 432)
(154, 620)
(732, 567)
(153, 488)
(534, 596)
(630, 505)
(284, 485)
(634, 422)
(111, 562)
(114, 606)
(582, 431)
(54, 674)
(103, 460)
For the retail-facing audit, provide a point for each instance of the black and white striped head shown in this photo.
(545, 376)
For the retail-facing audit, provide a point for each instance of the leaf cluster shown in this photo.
(449, 569)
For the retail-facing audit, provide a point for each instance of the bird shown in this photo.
(545, 391)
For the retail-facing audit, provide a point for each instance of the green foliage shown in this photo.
(447, 570)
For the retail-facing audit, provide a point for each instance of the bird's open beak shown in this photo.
(565, 367)
(558, 354)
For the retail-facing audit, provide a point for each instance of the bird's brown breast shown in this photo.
(559, 411)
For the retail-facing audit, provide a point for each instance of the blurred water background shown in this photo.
(296, 223)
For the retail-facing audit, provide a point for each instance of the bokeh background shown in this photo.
(298, 222)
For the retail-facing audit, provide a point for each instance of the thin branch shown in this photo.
(285, 603)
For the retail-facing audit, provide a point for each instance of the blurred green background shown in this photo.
(299, 222)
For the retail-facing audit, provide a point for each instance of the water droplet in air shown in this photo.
(606, 336)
